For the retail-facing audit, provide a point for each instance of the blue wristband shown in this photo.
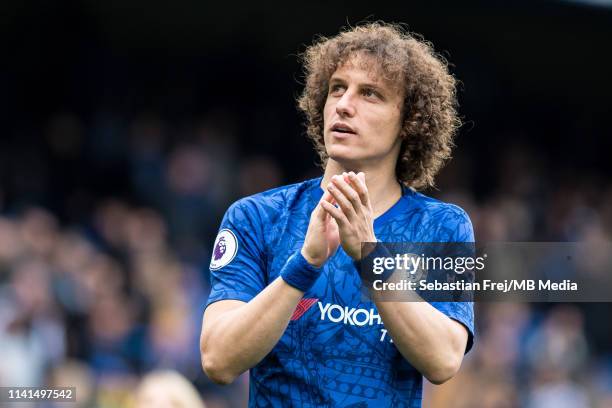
(298, 273)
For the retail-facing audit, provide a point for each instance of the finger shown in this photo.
(330, 198)
(362, 177)
(345, 205)
(358, 181)
(349, 192)
(327, 197)
(320, 213)
(336, 213)
(333, 225)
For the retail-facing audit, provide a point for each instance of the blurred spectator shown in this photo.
(259, 174)
(73, 373)
(189, 203)
(167, 389)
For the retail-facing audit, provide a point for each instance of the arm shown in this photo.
(236, 335)
(431, 341)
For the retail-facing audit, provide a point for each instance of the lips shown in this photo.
(340, 127)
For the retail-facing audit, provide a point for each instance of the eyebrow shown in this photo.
(373, 85)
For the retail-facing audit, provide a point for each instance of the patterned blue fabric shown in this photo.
(336, 353)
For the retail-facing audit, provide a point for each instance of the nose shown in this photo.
(345, 106)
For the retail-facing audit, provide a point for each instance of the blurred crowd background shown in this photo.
(128, 129)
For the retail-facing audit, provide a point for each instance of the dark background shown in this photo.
(532, 72)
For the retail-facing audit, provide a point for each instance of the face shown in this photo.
(362, 115)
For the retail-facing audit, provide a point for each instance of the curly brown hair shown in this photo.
(429, 113)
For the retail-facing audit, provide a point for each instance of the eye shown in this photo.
(336, 89)
(369, 92)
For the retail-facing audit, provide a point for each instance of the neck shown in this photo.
(383, 187)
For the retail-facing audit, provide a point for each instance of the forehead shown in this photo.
(361, 66)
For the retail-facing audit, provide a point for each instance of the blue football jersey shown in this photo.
(336, 351)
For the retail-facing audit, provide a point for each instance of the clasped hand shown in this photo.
(344, 217)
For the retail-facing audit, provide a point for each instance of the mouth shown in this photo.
(342, 128)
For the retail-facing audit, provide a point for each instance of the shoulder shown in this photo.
(445, 220)
(270, 204)
(439, 209)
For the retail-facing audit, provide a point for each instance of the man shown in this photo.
(286, 297)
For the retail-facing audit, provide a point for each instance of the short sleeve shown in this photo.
(237, 269)
(458, 222)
